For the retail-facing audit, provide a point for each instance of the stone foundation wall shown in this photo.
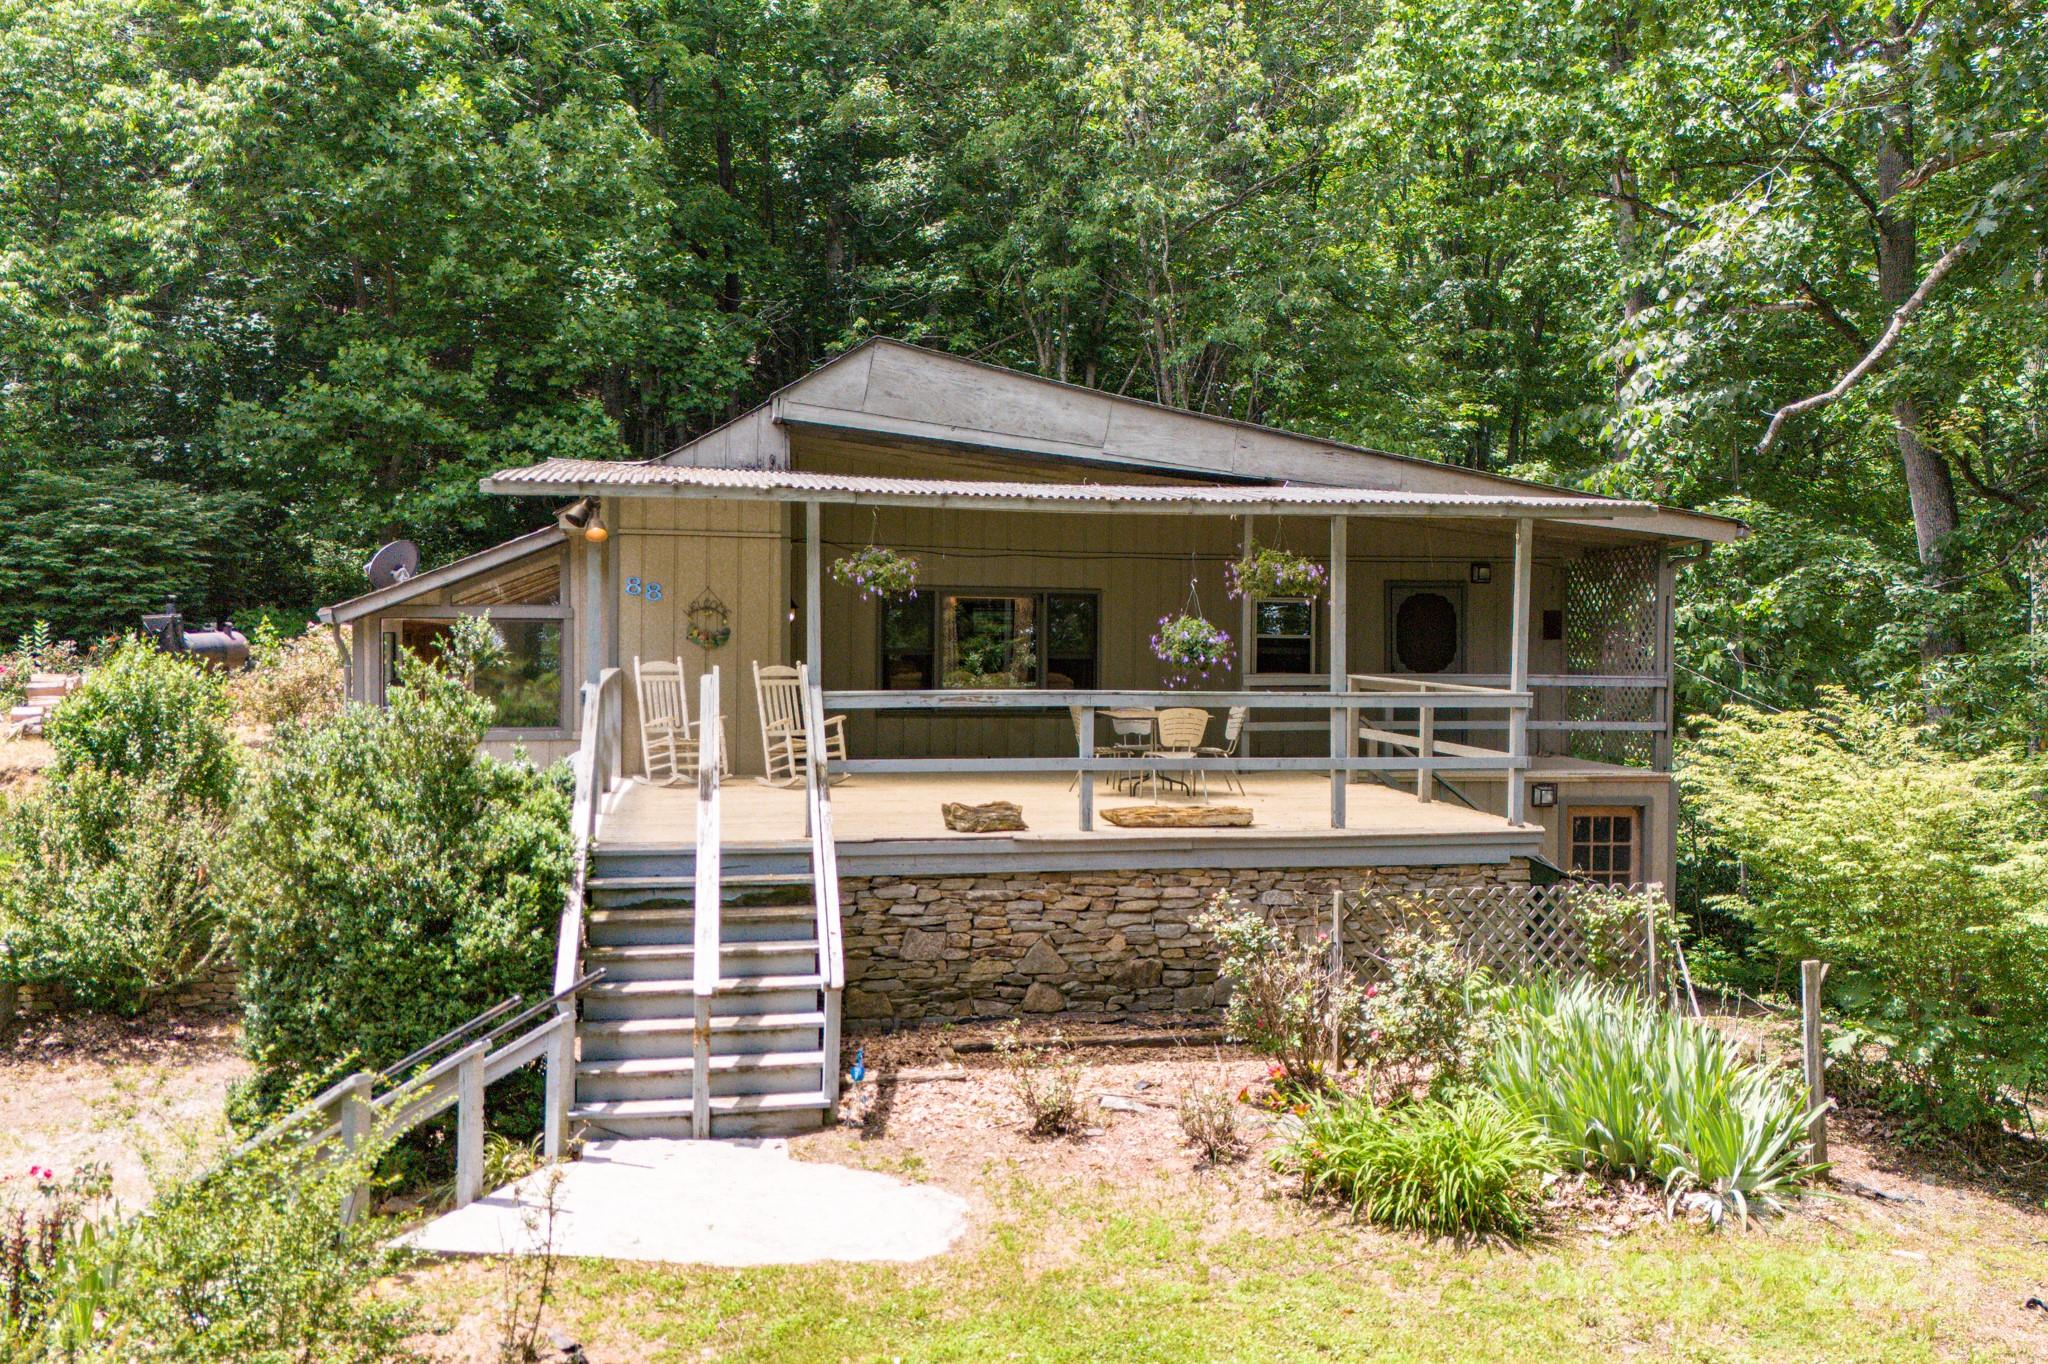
(1087, 945)
(218, 990)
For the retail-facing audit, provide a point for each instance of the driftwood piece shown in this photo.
(996, 817)
(1180, 817)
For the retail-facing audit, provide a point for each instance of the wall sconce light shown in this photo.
(1543, 794)
(593, 529)
(792, 610)
(1482, 573)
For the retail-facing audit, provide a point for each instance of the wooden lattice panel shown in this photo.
(1513, 931)
(1611, 626)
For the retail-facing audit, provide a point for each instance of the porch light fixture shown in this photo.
(593, 529)
(1482, 572)
(792, 610)
(1543, 794)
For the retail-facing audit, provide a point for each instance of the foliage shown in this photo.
(1627, 1089)
(1046, 1081)
(1209, 1121)
(1427, 1018)
(1610, 921)
(50, 1230)
(1191, 646)
(1285, 995)
(112, 892)
(147, 714)
(1461, 1166)
(290, 680)
(877, 572)
(1268, 572)
(388, 880)
(1918, 876)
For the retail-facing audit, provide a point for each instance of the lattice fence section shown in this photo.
(1611, 629)
(1513, 931)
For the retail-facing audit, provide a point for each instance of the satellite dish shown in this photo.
(393, 564)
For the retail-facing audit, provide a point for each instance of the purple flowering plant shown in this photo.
(1269, 572)
(1192, 646)
(877, 571)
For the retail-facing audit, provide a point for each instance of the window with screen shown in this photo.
(1284, 635)
(1605, 844)
(988, 641)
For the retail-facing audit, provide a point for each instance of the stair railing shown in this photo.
(824, 872)
(707, 901)
(597, 769)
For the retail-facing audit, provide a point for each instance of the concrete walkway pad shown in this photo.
(705, 1202)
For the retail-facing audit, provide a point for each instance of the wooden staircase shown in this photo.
(717, 1010)
(769, 1028)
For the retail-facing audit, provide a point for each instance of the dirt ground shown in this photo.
(75, 1090)
(21, 765)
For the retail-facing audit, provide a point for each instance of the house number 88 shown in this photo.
(650, 590)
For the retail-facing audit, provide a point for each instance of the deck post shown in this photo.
(1518, 669)
(561, 1079)
(594, 604)
(1247, 624)
(355, 1115)
(1425, 778)
(814, 574)
(1667, 585)
(469, 1126)
(1340, 629)
(1085, 741)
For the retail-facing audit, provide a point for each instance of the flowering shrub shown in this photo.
(877, 572)
(1193, 646)
(1429, 1019)
(1285, 996)
(1269, 572)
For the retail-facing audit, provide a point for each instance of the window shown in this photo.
(1284, 635)
(1604, 844)
(987, 641)
(1425, 627)
(525, 685)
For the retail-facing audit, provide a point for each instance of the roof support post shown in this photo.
(595, 607)
(1246, 623)
(1342, 731)
(1518, 668)
(814, 574)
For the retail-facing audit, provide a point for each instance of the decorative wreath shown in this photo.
(1268, 572)
(877, 571)
(710, 622)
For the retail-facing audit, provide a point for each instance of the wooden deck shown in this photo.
(881, 820)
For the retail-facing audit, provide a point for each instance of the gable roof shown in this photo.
(434, 579)
(885, 388)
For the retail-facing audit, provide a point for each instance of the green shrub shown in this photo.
(1427, 1018)
(249, 1262)
(110, 890)
(1284, 994)
(389, 881)
(147, 714)
(1920, 877)
(291, 680)
(1629, 1090)
(1463, 1166)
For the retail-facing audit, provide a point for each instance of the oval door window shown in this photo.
(1426, 632)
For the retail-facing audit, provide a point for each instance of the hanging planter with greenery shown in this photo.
(877, 572)
(1191, 646)
(1268, 572)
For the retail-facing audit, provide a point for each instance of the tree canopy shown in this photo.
(280, 279)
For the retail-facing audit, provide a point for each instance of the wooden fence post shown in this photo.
(1336, 975)
(1811, 974)
(469, 1128)
(355, 1113)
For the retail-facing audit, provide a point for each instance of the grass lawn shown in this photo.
(1116, 1248)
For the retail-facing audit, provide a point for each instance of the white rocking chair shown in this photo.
(778, 693)
(668, 737)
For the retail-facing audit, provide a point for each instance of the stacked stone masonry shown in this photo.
(1085, 945)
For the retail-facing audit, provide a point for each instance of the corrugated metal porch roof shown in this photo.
(583, 477)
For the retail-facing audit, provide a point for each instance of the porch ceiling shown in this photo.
(578, 478)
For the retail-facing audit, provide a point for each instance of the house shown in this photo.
(1479, 693)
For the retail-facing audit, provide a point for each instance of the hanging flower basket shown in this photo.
(1269, 572)
(1191, 646)
(877, 572)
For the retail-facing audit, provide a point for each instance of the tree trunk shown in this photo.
(1930, 485)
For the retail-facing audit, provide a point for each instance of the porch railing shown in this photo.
(824, 872)
(1341, 709)
(706, 901)
(597, 767)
